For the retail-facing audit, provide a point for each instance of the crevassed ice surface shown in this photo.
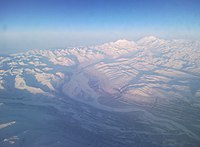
(124, 93)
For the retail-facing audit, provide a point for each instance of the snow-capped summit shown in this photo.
(122, 43)
(150, 40)
(117, 48)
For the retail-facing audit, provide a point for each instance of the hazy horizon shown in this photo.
(58, 24)
(100, 73)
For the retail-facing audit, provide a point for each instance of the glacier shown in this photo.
(122, 93)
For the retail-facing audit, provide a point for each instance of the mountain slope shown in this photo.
(142, 71)
(152, 80)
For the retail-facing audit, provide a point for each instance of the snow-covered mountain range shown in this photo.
(151, 75)
(112, 74)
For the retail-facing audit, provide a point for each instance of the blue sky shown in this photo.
(28, 24)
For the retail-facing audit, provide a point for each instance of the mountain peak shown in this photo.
(123, 43)
(149, 40)
(120, 41)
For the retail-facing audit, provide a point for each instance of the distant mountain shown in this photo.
(120, 76)
(123, 71)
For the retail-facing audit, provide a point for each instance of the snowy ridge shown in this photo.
(138, 72)
(120, 91)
